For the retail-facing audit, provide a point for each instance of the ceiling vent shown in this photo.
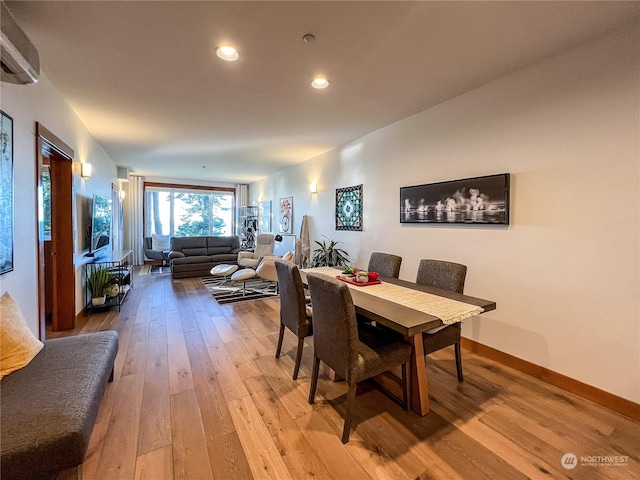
(20, 60)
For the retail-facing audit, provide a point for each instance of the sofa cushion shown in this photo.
(18, 344)
(195, 251)
(181, 243)
(218, 250)
(192, 259)
(225, 257)
(230, 241)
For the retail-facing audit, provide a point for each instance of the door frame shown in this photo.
(50, 146)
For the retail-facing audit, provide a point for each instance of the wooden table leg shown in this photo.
(419, 390)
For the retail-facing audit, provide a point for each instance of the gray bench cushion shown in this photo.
(49, 407)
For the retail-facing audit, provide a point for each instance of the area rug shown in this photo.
(231, 292)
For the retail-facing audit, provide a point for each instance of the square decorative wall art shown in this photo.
(349, 208)
(6, 193)
(286, 215)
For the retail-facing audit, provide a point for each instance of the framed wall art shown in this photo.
(349, 208)
(471, 201)
(6, 193)
(286, 215)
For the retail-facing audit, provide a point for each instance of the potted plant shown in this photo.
(328, 255)
(98, 282)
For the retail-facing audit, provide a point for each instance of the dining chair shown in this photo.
(447, 276)
(386, 264)
(294, 313)
(355, 352)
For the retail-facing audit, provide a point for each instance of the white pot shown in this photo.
(97, 301)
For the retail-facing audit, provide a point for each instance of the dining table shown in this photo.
(410, 309)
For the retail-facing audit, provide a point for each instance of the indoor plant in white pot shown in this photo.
(329, 255)
(98, 282)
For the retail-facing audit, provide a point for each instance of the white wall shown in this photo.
(28, 104)
(565, 273)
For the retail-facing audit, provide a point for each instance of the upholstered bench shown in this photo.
(49, 407)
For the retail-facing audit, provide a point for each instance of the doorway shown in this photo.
(56, 270)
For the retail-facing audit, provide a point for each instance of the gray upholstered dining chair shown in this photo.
(355, 352)
(294, 313)
(447, 276)
(386, 264)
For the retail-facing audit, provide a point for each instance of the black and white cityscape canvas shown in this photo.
(474, 201)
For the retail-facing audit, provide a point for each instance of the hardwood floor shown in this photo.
(198, 394)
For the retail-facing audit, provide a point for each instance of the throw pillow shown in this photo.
(159, 243)
(18, 344)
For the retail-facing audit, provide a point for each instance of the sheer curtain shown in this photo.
(242, 200)
(136, 221)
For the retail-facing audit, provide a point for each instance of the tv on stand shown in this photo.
(100, 226)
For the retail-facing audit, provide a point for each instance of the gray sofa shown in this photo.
(49, 407)
(195, 256)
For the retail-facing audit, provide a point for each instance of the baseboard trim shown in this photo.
(81, 315)
(588, 392)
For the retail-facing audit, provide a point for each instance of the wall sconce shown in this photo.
(122, 195)
(85, 170)
(313, 187)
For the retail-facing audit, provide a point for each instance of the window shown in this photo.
(188, 211)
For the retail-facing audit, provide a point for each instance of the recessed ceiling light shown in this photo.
(227, 52)
(320, 82)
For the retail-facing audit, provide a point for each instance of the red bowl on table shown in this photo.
(373, 276)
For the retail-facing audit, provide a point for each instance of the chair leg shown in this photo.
(459, 362)
(406, 386)
(280, 338)
(296, 369)
(314, 379)
(351, 399)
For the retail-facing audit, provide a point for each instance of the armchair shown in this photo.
(267, 268)
(264, 247)
(157, 248)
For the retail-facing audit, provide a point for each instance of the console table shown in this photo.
(118, 264)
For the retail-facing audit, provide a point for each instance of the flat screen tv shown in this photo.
(100, 224)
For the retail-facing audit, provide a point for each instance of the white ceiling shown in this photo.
(144, 78)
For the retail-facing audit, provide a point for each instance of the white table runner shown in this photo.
(447, 310)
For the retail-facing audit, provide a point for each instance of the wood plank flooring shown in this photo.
(198, 394)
